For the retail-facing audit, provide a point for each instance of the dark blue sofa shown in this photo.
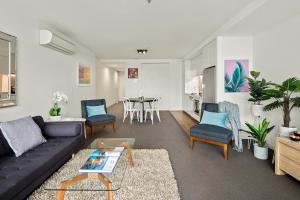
(20, 176)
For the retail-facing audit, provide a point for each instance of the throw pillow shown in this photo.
(95, 110)
(22, 134)
(64, 129)
(213, 118)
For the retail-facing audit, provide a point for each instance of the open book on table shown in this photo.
(102, 161)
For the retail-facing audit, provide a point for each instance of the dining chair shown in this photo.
(129, 109)
(157, 108)
(151, 108)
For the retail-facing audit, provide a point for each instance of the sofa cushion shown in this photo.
(212, 132)
(64, 129)
(40, 122)
(22, 134)
(100, 119)
(4, 146)
(16, 174)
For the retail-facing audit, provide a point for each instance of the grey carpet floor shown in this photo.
(202, 173)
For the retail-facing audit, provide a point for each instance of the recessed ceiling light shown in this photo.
(142, 51)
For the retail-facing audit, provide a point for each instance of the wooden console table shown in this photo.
(287, 157)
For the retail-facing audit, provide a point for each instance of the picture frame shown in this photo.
(133, 73)
(236, 73)
(84, 75)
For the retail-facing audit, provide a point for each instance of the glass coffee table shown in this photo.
(75, 181)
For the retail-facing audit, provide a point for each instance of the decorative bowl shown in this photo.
(297, 133)
(294, 137)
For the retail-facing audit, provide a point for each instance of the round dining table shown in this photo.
(142, 100)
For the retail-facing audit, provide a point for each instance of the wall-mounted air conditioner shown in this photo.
(55, 41)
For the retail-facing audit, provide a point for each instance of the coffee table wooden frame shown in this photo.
(101, 177)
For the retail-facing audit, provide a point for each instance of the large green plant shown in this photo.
(238, 79)
(284, 96)
(257, 88)
(260, 133)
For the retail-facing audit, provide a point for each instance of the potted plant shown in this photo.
(260, 133)
(284, 96)
(258, 93)
(58, 98)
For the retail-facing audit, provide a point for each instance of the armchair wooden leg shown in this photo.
(92, 130)
(225, 147)
(114, 126)
(191, 142)
(84, 130)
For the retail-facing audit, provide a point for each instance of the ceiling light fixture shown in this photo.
(149, 1)
(142, 51)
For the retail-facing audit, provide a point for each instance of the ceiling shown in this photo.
(271, 13)
(114, 29)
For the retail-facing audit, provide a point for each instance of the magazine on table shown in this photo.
(102, 161)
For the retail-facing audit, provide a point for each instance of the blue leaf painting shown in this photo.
(237, 80)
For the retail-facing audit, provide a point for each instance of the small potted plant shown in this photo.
(285, 97)
(260, 133)
(258, 93)
(58, 98)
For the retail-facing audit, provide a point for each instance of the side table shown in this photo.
(287, 155)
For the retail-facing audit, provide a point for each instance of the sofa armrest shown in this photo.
(63, 129)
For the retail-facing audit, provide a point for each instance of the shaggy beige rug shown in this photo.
(151, 178)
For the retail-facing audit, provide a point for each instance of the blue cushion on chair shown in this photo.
(213, 118)
(100, 119)
(95, 110)
(211, 132)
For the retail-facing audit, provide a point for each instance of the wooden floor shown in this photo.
(185, 121)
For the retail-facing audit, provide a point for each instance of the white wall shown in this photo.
(174, 81)
(121, 84)
(107, 86)
(207, 57)
(276, 56)
(233, 48)
(41, 71)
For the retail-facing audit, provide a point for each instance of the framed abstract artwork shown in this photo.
(133, 73)
(84, 75)
(236, 73)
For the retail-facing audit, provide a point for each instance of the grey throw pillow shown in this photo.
(22, 134)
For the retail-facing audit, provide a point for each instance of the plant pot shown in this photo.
(257, 110)
(260, 152)
(285, 131)
(55, 118)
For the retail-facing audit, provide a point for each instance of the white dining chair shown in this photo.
(157, 108)
(151, 108)
(129, 109)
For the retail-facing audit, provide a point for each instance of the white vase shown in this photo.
(260, 152)
(257, 110)
(285, 131)
(55, 118)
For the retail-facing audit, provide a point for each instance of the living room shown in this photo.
(157, 74)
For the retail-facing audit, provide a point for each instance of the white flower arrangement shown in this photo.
(57, 98)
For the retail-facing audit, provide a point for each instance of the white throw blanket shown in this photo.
(234, 121)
